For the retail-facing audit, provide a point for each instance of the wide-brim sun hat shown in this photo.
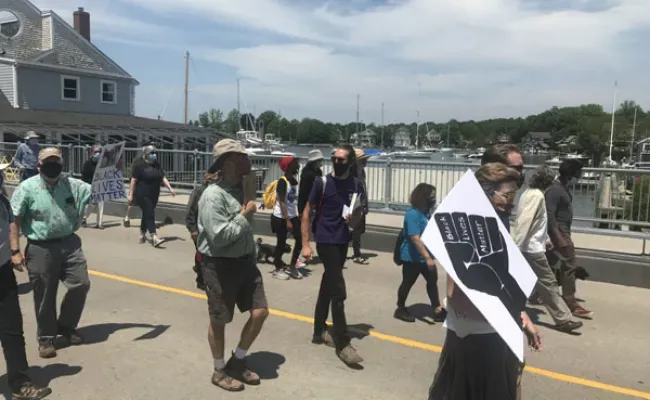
(31, 135)
(315, 155)
(225, 146)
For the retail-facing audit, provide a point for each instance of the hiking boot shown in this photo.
(280, 274)
(226, 382)
(294, 273)
(403, 314)
(569, 326)
(349, 355)
(46, 349)
(581, 312)
(126, 222)
(237, 369)
(324, 338)
(72, 336)
(29, 391)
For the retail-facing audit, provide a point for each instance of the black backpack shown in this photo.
(397, 252)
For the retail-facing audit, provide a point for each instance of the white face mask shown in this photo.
(573, 181)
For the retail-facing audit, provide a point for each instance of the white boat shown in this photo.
(260, 151)
(249, 138)
(410, 155)
(271, 141)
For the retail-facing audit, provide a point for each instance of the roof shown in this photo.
(540, 135)
(646, 140)
(19, 121)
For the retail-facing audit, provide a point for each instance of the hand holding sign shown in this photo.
(480, 258)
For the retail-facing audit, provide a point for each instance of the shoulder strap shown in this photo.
(322, 194)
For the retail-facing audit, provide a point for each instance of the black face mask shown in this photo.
(430, 204)
(51, 170)
(341, 169)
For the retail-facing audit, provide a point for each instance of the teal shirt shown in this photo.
(415, 221)
(223, 231)
(48, 213)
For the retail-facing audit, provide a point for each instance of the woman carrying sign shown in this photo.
(476, 363)
(87, 173)
(145, 191)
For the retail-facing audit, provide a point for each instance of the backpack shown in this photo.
(397, 251)
(268, 198)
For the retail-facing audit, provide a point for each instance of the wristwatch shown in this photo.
(15, 251)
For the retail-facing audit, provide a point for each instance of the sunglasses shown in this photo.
(339, 160)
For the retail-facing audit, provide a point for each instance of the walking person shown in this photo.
(359, 171)
(145, 191)
(49, 209)
(559, 205)
(531, 235)
(87, 174)
(475, 363)
(134, 165)
(310, 172)
(416, 258)
(228, 263)
(11, 317)
(285, 219)
(26, 157)
(328, 197)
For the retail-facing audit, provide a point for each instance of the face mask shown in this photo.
(153, 157)
(32, 142)
(51, 170)
(341, 169)
(573, 181)
(521, 181)
(431, 203)
(96, 155)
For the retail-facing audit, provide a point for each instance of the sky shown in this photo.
(462, 59)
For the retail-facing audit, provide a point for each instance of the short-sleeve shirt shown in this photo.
(47, 212)
(415, 221)
(330, 225)
(148, 178)
(291, 197)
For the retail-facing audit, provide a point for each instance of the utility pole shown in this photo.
(187, 84)
(382, 125)
(633, 132)
(611, 134)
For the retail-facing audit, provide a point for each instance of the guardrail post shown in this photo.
(196, 167)
(388, 183)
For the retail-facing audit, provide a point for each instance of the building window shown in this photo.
(70, 88)
(109, 92)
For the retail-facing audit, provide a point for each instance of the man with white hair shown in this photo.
(49, 209)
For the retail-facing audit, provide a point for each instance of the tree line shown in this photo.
(587, 127)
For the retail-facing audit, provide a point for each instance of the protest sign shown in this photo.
(108, 182)
(474, 247)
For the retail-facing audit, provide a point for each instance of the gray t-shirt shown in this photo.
(559, 208)
(6, 217)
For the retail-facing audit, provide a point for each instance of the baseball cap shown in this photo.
(225, 146)
(49, 152)
(284, 163)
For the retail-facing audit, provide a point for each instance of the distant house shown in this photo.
(504, 138)
(643, 153)
(55, 81)
(365, 138)
(402, 138)
(539, 137)
(567, 144)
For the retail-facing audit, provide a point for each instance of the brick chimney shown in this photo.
(82, 23)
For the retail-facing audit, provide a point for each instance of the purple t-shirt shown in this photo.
(330, 225)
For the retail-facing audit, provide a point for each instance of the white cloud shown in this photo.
(473, 58)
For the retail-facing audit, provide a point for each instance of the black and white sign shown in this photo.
(475, 249)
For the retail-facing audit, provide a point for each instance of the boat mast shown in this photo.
(633, 131)
(238, 106)
(358, 99)
(187, 84)
(382, 125)
(417, 122)
(611, 134)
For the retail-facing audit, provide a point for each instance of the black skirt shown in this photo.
(476, 367)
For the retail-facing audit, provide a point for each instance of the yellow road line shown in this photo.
(389, 338)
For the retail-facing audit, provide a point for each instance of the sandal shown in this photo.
(361, 260)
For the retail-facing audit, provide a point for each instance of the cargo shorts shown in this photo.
(230, 282)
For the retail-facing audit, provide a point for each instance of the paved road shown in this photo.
(146, 326)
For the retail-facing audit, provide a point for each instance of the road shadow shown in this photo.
(24, 288)
(360, 331)
(265, 363)
(422, 312)
(534, 314)
(44, 375)
(305, 271)
(99, 333)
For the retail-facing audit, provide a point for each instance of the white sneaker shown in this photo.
(294, 273)
(280, 274)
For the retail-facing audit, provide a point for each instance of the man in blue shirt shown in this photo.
(26, 158)
(330, 196)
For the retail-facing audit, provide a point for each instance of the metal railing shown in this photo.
(606, 198)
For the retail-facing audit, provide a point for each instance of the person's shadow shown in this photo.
(265, 363)
(99, 333)
(43, 375)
